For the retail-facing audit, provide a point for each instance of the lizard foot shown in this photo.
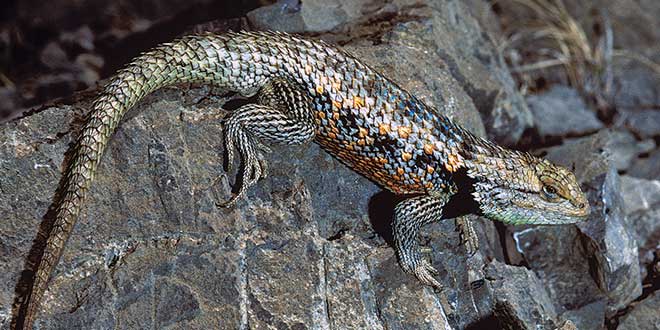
(254, 165)
(424, 272)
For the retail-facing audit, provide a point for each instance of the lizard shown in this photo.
(307, 90)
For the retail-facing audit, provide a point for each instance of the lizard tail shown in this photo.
(182, 61)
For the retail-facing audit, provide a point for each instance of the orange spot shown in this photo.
(361, 142)
(335, 115)
(382, 160)
(406, 156)
(453, 163)
(383, 128)
(321, 115)
(430, 169)
(400, 171)
(362, 132)
(358, 102)
(336, 85)
(428, 149)
(369, 140)
(336, 104)
(332, 135)
(404, 132)
(319, 89)
(334, 128)
(428, 185)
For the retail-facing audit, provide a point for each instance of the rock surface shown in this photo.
(645, 316)
(554, 109)
(516, 285)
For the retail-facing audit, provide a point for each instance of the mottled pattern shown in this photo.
(309, 90)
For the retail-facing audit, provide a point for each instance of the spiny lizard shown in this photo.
(310, 91)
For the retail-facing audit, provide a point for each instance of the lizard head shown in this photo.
(523, 189)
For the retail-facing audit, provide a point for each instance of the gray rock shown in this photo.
(644, 315)
(636, 86)
(623, 148)
(557, 256)
(612, 244)
(647, 167)
(587, 317)
(644, 123)
(307, 16)
(561, 111)
(616, 147)
(642, 208)
(521, 299)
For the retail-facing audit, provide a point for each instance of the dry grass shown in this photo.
(551, 37)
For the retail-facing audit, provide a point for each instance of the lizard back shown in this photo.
(362, 118)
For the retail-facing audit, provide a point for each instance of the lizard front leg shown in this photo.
(282, 115)
(409, 216)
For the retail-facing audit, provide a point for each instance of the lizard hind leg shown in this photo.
(409, 216)
(282, 115)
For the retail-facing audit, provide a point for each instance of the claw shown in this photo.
(425, 273)
(422, 269)
(253, 169)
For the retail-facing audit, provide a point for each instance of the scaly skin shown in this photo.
(307, 91)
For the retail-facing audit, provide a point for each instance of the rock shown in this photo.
(616, 147)
(587, 317)
(642, 209)
(644, 315)
(521, 299)
(636, 87)
(558, 257)
(561, 111)
(646, 166)
(53, 56)
(644, 123)
(612, 245)
(307, 16)
(623, 148)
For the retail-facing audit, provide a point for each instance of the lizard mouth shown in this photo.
(570, 212)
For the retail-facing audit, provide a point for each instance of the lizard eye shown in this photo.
(550, 193)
